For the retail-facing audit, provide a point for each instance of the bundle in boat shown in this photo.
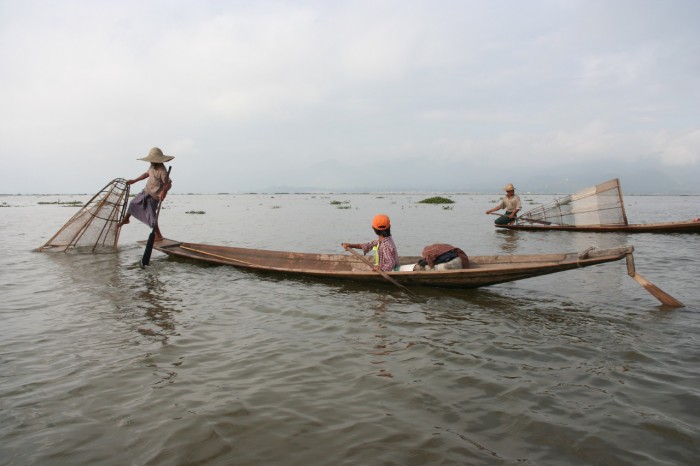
(95, 228)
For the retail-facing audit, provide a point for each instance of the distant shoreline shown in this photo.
(353, 193)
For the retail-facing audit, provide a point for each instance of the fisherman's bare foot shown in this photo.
(157, 238)
(123, 222)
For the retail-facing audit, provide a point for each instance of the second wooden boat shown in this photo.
(598, 209)
(688, 226)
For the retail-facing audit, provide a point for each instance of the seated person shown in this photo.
(511, 203)
(386, 257)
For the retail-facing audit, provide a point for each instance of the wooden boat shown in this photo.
(597, 209)
(482, 270)
(689, 226)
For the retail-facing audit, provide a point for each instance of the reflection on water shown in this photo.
(154, 299)
(386, 346)
(140, 298)
(382, 340)
(510, 238)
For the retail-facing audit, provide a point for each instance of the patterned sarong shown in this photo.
(144, 207)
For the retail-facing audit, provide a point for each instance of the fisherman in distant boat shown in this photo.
(386, 256)
(145, 205)
(511, 203)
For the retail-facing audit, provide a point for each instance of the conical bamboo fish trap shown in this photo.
(95, 227)
(599, 205)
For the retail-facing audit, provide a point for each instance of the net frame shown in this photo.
(601, 204)
(94, 228)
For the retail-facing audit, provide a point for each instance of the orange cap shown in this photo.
(381, 222)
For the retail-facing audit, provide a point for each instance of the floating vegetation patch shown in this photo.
(436, 200)
(198, 212)
(275, 207)
(4, 204)
(62, 203)
(341, 204)
(447, 207)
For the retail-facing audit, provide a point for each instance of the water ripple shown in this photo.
(104, 363)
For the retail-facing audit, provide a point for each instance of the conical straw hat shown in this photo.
(155, 155)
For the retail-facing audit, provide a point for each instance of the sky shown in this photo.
(284, 96)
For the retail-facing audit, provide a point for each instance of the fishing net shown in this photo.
(600, 205)
(95, 227)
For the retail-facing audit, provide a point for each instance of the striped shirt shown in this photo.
(388, 255)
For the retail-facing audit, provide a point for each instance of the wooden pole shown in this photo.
(524, 219)
(622, 203)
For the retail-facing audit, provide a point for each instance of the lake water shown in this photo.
(104, 363)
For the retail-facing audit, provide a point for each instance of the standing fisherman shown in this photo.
(511, 203)
(145, 205)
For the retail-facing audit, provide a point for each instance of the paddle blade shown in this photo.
(658, 293)
(146, 259)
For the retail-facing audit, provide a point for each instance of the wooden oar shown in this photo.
(383, 274)
(524, 219)
(654, 290)
(146, 259)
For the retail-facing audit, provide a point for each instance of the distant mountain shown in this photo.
(425, 176)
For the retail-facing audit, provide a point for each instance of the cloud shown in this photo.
(682, 151)
(266, 87)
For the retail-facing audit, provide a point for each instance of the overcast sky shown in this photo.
(249, 95)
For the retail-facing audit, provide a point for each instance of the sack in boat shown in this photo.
(436, 254)
(454, 264)
(442, 258)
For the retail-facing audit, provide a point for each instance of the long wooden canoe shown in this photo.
(689, 226)
(482, 271)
